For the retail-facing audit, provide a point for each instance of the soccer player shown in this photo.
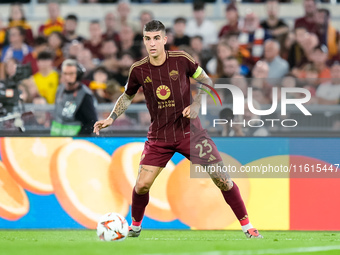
(164, 76)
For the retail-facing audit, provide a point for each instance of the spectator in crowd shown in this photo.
(204, 54)
(326, 32)
(56, 43)
(278, 67)
(202, 26)
(94, 44)
(273, 25)
(10, 67)
(238, 81)
(259, 82)
(75, 113)
(42, 118)
(287, 42)
(319, 59)
(125, 61)
(232, 16)
(74, 49)
(25, 95)
(111, 29)
(260, 70)
(180, 38)
(296, 56)
(240, 53)
(252, 36)
(55, 22)
(84, 58)
(171, 39)
(114, 90)
(230, 67)
(329, 92)
(46, 79)
(123, 10)
(17, 48)
(310, 79)
(308, 21)
(289, 81)
(144, 17)
(17, 19)
(2, 33)
(110, 52)
(99, 84)
(244, 130)
(70, 29)
(40, 44)
(127, 42)
(215, 65)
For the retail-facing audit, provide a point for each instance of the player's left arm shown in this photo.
(202, 78)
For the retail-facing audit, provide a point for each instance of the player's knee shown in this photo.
(142, 187)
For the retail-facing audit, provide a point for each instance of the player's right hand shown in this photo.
(100, 124)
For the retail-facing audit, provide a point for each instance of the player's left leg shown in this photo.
(232, 196)
(203, 151)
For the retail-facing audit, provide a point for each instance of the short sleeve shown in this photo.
(132, 84)
(192, 67)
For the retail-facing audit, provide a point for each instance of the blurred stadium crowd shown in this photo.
(245, 51)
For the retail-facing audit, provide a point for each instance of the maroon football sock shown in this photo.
(139, 202)
(235, 201)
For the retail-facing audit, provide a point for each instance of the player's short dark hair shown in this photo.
(45, 55)
(72, 17)
(154, 26)
(198, 5)
(180, 20)
(40, 40)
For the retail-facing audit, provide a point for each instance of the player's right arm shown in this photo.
(120, 107)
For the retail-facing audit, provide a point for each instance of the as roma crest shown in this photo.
(174, 74)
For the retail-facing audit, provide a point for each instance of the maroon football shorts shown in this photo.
(199, 149)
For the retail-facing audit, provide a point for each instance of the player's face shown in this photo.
(154, 43)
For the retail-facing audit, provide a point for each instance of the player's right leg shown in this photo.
(140, 196)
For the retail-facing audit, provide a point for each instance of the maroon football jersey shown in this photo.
(167, 93)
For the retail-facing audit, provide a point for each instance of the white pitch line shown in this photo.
(260, 252)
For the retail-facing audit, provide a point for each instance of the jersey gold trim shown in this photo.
(138, 63)
(181, 54)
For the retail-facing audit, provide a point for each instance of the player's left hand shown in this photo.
(191, 111)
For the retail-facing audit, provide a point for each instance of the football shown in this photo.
(112, 227)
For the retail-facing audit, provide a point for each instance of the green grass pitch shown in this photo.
(68, 242)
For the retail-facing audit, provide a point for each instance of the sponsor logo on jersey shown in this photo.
(147, 79)
(163, 92)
